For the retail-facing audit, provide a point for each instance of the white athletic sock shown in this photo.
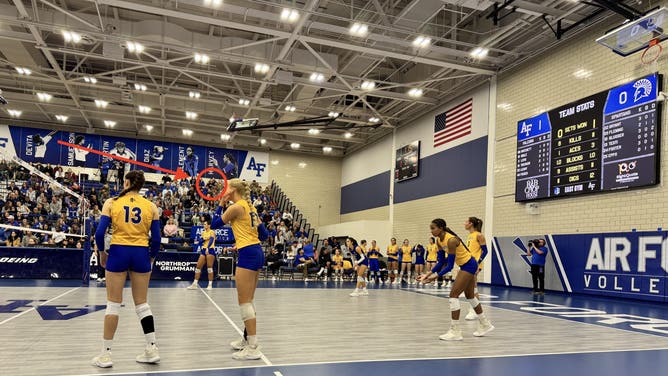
(252, 341)
(481, 317)
(196, 281)
(150, 338)
(106, 344)
(455, 324)
(210, 283)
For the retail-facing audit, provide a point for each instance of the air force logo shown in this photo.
(258, 167)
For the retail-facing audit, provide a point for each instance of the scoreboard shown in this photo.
(607, 141)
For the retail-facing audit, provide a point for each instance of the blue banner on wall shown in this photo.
(628, 265)
(155, 153)
(40, 263)
(77, 157)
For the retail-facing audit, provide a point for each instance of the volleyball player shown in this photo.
(432, 252)
(393, 261)
(337, 261)
(374, 265)
(207, 254)
(362, 263)
(475, 242)
(131, 217)
(244, 220)
(465, 282)
(419, 252)
(406, 261)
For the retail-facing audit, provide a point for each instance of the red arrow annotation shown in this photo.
(178, 174)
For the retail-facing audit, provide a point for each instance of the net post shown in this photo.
(88, 227)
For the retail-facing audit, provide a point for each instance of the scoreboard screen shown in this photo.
(605, 142)
(407, 162)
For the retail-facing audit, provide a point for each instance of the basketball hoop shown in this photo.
(652, 53)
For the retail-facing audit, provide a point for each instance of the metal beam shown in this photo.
(74, 16)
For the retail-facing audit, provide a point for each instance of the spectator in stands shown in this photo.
(325, 262)
(170, 230)
(302, 262)
(14, 240)
(279, 240)
(287, 217)
(302, 239)
(55, 207)
(274, 262)
(294, 249)
(28, 239)
(308, 249)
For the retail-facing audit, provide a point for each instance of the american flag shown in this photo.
(453, 124)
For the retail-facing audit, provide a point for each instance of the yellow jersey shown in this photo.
(474, 246)
(375, 253)
(208, 236)
(406, 254)
(432, 252)
(131, 217)
(338, 260)
(347, 264)
(462, 256)
(361, 247)
(244, 227)
(392, 251)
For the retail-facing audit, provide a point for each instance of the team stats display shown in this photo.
(607, 141)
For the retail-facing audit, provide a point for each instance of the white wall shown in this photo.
(380, 231)
(367, 162)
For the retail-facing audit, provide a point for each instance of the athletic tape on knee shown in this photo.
(209, 270)
(247, 311)
(455, 305)
(474, 302)
(198, 270)
(143, 310)
(360, 279)
(112, 308)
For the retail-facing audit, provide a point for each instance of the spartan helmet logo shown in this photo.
(643, 89)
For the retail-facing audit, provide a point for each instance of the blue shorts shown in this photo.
(471, 266)
(251, 257)
(419, 260)
(202, 251)
(128, 257)
(374, 265)
(364, 262)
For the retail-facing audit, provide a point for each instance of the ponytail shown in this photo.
(137, 181)
(477, 223)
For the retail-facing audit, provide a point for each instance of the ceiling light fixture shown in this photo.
(415, 92)
(294, 145)
(244, 102)
(421, 41)
(191, 115)
(374, 120)
(313, 131)
(148, 127)
(290, 108)
(44, 97)
(213, 3)
(263, 141)
(326, 149)
(14, 113)
(90, 79)
(24, 71)
(302, 164)
(368, 85)
(134, 47)
(225, 137)
(359, 29)
(289, 15)
(61, 118)
(479, 52)
(140, 87)
(333, 114)
(71, 37)
(187, 132)
(261, 68)
(109, 123)
(348, 135)
(201, 58)
(144, 109)
(99, 103)
(317, 77)
(194, 94)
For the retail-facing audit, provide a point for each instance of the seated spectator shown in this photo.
(28, 239)
(170, 230)
(309, 251)
(14, 240)
(325, 262)
(287, 217)
(302, 262)
(274, 262)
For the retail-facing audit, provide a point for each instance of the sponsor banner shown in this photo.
(40, 145)
(38, 263)
(223, 235)
(627, 265)
(178, 265)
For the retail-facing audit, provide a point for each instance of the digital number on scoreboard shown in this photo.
(604, 142)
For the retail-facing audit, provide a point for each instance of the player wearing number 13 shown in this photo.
(132, 218)
(245, 222)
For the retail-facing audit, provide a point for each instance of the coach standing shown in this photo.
(538, 252)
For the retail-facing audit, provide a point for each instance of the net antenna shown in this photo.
(644, 33)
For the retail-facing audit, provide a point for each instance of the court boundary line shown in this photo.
(139, 373)
(39, 305)
(234, 325)
(490, 303)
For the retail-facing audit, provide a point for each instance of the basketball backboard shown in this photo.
(635, 36)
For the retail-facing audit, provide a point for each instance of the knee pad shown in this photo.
(198, 270)
(143, 310)
(112, 308)
(247, 311)
(361, 279)
(474, 302)
(396, 271)
(455, 305)
(209, 270)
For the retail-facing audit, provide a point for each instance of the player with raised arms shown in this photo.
(207, 254)
(132, 217)
(457, 252)
(248, 230)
